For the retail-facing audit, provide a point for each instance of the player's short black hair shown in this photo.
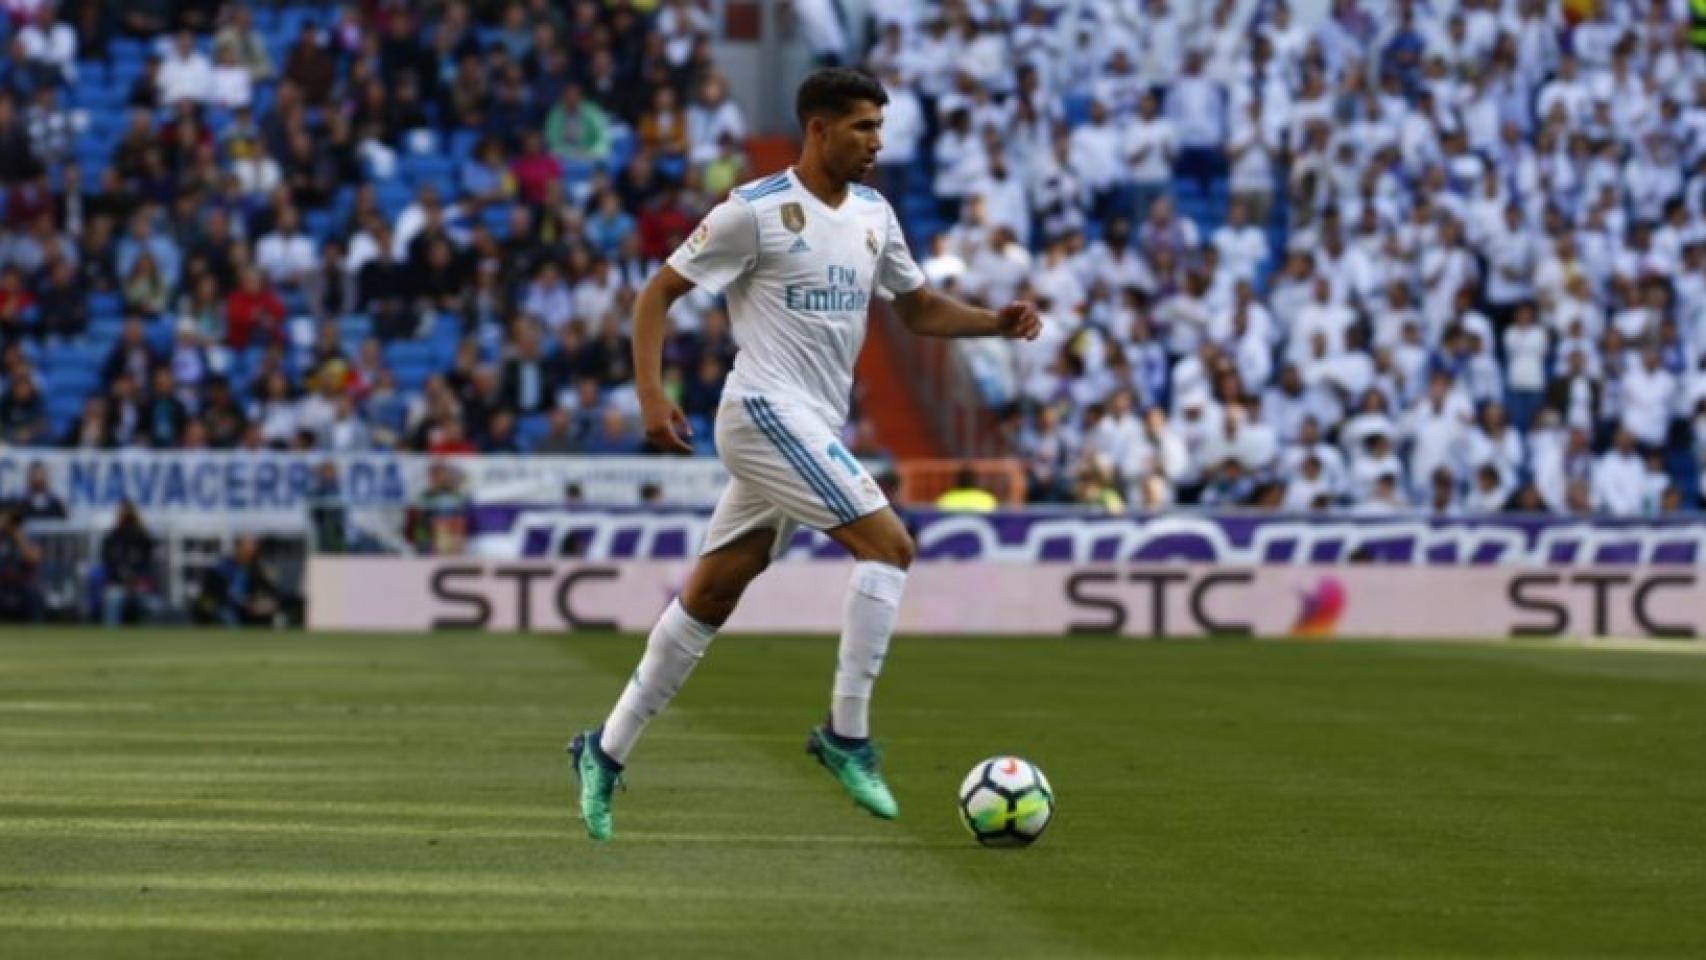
(832, 92)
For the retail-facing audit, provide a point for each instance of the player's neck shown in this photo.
(830, 190)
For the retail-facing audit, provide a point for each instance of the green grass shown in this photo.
(208, 794)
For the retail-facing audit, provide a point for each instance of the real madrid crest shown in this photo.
(871, 241)
(793, 217)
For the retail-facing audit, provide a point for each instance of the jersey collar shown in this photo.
(834, 213)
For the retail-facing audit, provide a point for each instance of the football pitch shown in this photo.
(260, 795)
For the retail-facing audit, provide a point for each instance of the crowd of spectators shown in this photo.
(379, 225)
(1417, 255)
(123, 582)
(1440, 256)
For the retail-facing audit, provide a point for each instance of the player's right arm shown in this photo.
(665, 425)
(719, 251)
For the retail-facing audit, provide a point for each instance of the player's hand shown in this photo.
(1019, 320)
(666, 426)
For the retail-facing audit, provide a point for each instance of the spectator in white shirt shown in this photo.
(548, 298)
(1307, 488)
(1648, 391)
(1436, 430)
(944, 266)
(1250, 151)
(820, 25)
(185, 73)
(50, 45)
(1005, 200)
(1526, 344)
(960, 162)
(711, 116)
(1243, 245)
(1488, 492)
(1512, 257)
(903, 132)
(1150, 146)
(1321, 316)
(286, 255)
(1197, 107)
(1620, 478)
(1374, 463)
(230, 84)
(1097, 158)
(1494, 441)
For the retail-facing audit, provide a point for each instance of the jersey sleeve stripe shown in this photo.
(791, 449)
(764, 188)
(761, 193)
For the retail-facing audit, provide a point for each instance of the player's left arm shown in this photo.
(930, 314)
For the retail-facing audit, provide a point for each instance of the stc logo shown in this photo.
(1321, 609)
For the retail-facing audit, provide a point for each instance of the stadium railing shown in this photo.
(922, 481)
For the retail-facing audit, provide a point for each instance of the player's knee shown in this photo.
(896, 551)
(712, 599)
(706, 604)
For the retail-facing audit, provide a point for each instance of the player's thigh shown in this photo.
(794, 460)
(720, 577)
(743, 508)
(745, 532)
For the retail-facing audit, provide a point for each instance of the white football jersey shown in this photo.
(799, 277)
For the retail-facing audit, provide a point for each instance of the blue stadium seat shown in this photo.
(496, 219)
(319, 224)
(105, 305)
(64, 407)
(443, 184)
(672, 167)
(358, 325)
(126, 48)
(412, 376)
(71, 381)
(218, 120)
(1075, 109)
(529, 429)
(392, 196)
(104, 330)
(158, 334)
(576, 171)
(462, 144)
(399, 353)
(343, 203)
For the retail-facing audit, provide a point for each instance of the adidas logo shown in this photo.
(800, 246)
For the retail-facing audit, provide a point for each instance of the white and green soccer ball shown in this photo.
(1006, 802)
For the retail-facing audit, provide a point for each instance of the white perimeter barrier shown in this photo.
(367, 593)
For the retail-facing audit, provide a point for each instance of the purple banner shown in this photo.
(1051, 537)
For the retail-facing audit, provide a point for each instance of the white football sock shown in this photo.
(672, 651)
(873, 603)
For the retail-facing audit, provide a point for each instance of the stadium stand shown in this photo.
(324, 213)
(1438, 257)
(1444, 257)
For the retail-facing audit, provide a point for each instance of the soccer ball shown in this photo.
(1006, 802)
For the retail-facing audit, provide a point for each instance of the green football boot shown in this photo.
(598, 776)
(857, 769)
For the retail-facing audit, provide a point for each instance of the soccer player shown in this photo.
(798, 256)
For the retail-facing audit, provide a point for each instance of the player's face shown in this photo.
(851, 142)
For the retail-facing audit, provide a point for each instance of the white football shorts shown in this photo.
(787, 467)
